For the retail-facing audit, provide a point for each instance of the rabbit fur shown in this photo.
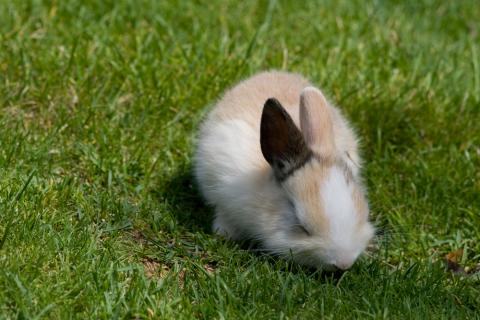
(280, 165)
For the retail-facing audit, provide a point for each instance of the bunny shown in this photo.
(280, 165)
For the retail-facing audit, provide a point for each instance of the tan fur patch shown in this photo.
(306, 183)
(246, 100)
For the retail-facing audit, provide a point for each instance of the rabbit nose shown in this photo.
(343, 265)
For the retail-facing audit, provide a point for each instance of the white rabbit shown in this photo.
(280, 165)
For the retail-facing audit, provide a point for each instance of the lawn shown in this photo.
(99, 106)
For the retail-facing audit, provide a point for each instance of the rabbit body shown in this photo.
(284, 171)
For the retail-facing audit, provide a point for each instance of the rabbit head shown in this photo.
(327, 212)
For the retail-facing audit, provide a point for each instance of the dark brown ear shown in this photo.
(281, 141)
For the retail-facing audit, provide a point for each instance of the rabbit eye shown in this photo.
(297, 226)
(302, 228)
(350, 158)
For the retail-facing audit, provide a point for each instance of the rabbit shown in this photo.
(280, 165)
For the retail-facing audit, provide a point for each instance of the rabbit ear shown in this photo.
(316, 121)
(281, 141)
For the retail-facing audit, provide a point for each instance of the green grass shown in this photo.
(99, 106)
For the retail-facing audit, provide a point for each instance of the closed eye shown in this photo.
(302, 228)
(351, 160)
(297, 226)
(299, 230)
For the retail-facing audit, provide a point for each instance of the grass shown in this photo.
(99, 105)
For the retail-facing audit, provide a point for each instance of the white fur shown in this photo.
(339, 208)
(342, 217)
(227, 174)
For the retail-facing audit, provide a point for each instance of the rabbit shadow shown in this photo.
(288, 265)
(187, 204)
(193, 214)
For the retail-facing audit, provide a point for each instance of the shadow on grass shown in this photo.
(189, 209)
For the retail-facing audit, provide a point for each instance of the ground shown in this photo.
(99, 106)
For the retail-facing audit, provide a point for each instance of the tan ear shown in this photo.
(281, 141)
(316, 122)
